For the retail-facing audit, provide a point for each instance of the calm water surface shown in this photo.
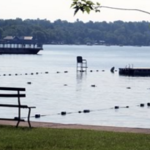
(51, 97)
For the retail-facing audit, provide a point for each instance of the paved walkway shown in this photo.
(77, 126)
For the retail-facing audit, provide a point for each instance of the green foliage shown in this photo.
(75, 139)
(63, 32)
(85, 6)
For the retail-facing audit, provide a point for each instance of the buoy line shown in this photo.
(63, 113)
(18, 74)
(46, 72)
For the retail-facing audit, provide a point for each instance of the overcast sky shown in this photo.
(60, 9)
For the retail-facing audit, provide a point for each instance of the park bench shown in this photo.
(15, 93)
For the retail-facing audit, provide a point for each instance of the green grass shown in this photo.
(22, 138)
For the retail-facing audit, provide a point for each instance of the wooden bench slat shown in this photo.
(12, 95)
(11, 119)
(12, 88)
(11, 105)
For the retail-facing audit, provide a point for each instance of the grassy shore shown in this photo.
(23, 138)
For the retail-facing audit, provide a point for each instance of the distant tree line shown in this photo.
(78, 32)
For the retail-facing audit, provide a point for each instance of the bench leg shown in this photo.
(18, 123)
(19, 114)
(29, 117)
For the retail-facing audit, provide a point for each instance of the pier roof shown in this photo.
(18, 40)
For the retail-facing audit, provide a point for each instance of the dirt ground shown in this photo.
(78, 126)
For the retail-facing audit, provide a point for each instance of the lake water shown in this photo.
(71, 92)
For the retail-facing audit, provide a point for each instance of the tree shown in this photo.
(1, 32)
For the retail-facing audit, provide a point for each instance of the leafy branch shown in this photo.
(85, 6)
(88, 6)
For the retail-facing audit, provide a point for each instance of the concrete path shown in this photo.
(78, 126)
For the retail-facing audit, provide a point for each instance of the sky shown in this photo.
(60, 9)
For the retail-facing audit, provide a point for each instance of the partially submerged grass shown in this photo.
(22, 138)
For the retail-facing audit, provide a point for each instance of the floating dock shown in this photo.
(134, 71)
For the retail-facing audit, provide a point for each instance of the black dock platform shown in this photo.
(134, 71)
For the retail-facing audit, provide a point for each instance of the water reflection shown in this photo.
(80, 75)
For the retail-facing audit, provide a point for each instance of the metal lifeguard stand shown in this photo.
(81, 64)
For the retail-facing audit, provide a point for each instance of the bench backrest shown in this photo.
(12, 95)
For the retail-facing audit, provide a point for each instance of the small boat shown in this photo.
(19, 45)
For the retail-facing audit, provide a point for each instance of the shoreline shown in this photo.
(78, 126)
